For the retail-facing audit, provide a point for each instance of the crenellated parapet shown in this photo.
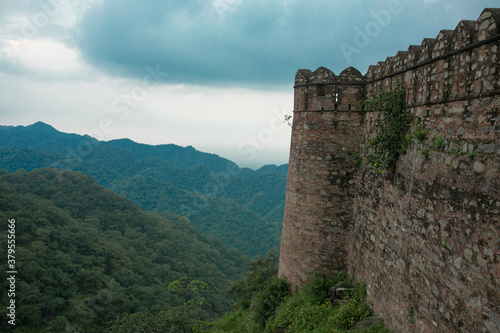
(466, 36)
(455, 65)
(323, 75)
(322, 90)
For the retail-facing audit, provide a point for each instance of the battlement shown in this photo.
(428, 238)
(467, 35)
(323, 75)
(448, 44)
(323, 90)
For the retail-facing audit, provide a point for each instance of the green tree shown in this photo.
(256, 275)
(177, 319)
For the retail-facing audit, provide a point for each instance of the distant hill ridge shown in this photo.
(41, 136)
(240, 206)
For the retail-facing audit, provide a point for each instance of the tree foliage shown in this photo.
(177, 319)
(256, 275)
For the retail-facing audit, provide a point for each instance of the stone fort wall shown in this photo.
(428, 237)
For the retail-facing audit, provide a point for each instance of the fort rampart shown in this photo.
(427, 238)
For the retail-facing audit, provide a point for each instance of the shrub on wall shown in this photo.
(391, 125)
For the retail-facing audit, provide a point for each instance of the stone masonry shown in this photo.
(318, 205)
(428, 237)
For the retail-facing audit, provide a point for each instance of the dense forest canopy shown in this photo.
(85, 255)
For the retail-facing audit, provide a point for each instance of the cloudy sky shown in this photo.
(214, 74)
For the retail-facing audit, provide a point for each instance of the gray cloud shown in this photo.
(228, 42)
(252, 42)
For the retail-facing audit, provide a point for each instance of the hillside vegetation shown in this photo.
(265, 304)
(85, 255)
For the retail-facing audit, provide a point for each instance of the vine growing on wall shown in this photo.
(390, 127)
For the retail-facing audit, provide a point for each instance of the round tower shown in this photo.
(320, 191)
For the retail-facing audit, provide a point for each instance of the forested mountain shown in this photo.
(240, 206)
(43, 137)
(84, 255)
